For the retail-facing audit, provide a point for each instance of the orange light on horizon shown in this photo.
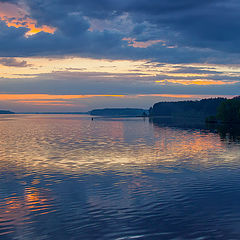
(30, 101)
(46, 103)
(25, 97)
(78, 100)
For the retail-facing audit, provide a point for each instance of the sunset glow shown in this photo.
(119, 119)
(65, 55)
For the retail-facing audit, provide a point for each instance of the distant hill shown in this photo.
(199, 109)
(6, 112)
(118, 112)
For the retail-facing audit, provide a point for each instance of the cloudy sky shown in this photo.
(76, 55)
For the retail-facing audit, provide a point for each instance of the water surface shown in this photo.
(67, 177)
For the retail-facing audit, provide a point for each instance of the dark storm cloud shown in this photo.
(192, 31)
(86, 44)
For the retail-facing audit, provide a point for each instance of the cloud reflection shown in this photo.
(73, 144)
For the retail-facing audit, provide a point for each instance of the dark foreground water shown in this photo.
(67, 177)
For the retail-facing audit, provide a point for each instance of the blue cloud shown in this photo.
(193, 31)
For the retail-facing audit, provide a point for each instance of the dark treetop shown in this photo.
(199, 109)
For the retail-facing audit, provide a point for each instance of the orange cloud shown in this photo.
(50, 100)
(47, 103)
(14, 16)
(41, 101)
(197, 82)
(26, 97)
(47, 98)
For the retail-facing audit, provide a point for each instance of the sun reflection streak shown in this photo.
(17, 211)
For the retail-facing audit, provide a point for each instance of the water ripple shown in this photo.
(67, 177)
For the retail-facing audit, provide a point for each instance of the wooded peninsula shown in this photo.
(211, 109)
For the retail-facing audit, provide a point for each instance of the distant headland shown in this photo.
(119, 112)
(212, 110)
(6, 112)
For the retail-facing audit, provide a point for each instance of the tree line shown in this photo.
(211, 109)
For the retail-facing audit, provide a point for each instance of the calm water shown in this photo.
(67, 177)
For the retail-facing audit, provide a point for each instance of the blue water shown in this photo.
(67, 177)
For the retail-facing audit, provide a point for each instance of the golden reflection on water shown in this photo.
(75, 145)
(33, 200)
(17, 210)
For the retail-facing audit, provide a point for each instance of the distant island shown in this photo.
(119, 112)
(211, 109)
(73, 113)
(6, 112)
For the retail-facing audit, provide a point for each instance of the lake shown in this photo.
(68, 177)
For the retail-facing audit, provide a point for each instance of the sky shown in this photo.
(78, 55)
